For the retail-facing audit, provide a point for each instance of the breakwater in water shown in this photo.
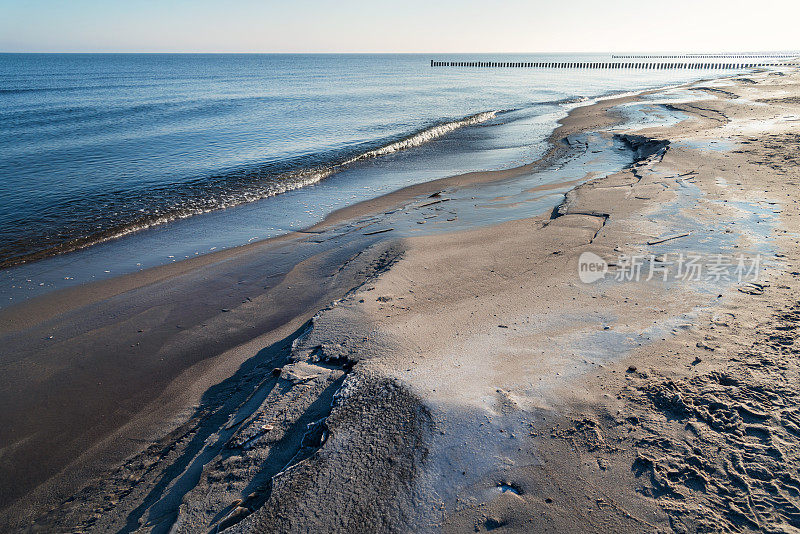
(615, 65)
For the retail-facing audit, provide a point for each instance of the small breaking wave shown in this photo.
(574, 100)
(425, 135)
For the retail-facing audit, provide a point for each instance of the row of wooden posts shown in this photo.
(612, 65)
(712, 56)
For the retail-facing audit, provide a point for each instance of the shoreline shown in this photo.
(107, 288)
(309, 175)
(406, 192)
(370, 255)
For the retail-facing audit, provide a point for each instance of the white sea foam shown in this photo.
(423, 136)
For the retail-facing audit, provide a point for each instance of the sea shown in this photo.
(112, 163)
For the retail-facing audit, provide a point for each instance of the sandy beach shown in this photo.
(408, 366)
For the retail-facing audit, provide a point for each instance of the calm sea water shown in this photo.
(98, 146)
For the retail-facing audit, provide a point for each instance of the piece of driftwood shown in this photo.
(669, 238)
(379, 231)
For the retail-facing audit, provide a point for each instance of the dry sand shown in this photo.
(462, 381)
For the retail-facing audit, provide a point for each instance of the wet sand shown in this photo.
(99, 369)
(343, 379)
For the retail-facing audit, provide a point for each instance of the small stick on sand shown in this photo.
(434, 202)
(379, 231)
(670, 238)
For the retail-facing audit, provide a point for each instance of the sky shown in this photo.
(398, 26)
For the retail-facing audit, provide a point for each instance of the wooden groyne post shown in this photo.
(658, 65)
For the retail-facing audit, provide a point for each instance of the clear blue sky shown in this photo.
(397, 25)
